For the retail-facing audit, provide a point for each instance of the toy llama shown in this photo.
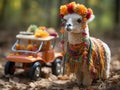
(88, 57)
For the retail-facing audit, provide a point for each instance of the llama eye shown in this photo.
(79, 20)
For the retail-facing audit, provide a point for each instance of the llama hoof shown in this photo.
(87, 82)
(79, 82)
(95, 80)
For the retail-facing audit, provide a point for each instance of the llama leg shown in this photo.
(87, 79)
(79, 77)
(67, 69)
(107, 62)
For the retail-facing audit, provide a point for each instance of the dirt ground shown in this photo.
(21, 81)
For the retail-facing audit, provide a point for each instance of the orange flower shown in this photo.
(84, 26)
(84, 19)
(41, 33)
(62, 31)
(82, 10)
(42, 27)
(63, 10)
(74, 8)
(17, 46)
(29, 47)
(85, 53)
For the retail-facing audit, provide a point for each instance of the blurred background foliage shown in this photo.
(17, 15)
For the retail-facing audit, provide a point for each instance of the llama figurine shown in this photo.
(89, 58)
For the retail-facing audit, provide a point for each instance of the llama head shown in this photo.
(76, 16)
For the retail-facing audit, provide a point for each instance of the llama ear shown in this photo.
(91, 18)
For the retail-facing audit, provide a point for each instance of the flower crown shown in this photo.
(75, 8)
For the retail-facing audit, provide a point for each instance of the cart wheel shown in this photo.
(56, 67)
(9, 68)
(35, 71)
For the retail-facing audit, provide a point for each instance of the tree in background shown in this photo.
(2, 11)
(116, 28)
(21, 13)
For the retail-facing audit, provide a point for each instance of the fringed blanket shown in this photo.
(95, 61)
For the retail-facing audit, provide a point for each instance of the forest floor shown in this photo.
(21, 81)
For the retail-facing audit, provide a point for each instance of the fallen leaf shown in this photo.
(61, 77)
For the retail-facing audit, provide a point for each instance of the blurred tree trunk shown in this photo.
(48, 14)
(25, 10)
(26, 6)
(117, 9)
(58, 10)
(116, 28)
(2, 13)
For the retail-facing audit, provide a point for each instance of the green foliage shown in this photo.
(43, 12)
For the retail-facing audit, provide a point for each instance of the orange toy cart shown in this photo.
(31, 53)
